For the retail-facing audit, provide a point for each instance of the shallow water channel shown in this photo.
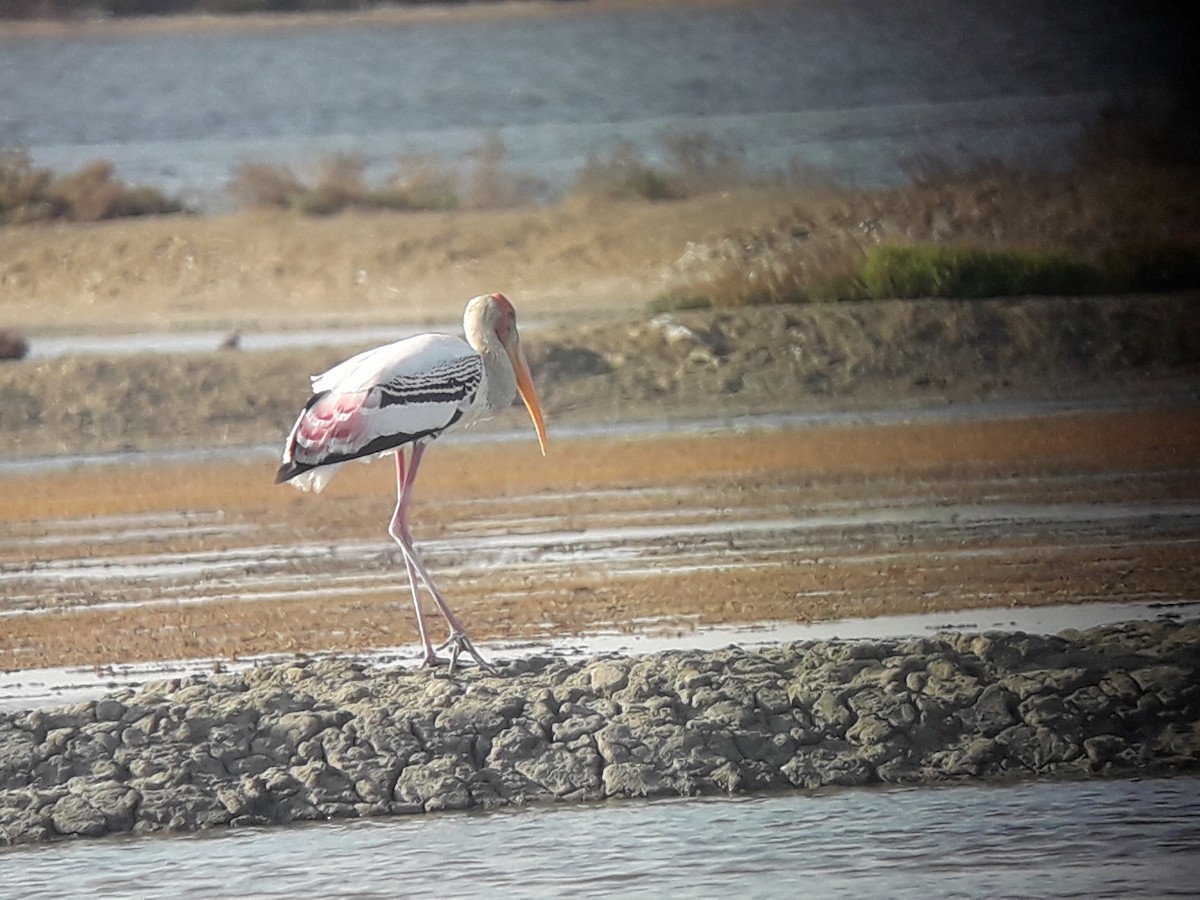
(1075, 839)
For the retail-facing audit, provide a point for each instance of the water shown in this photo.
(858, 88)
(201, 341)
(1084, 839)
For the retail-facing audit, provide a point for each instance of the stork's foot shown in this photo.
(457, 644)
(431, 660)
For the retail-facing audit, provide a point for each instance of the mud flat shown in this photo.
(671, 531)
(335, 738)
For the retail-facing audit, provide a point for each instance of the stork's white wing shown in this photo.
(409, 357)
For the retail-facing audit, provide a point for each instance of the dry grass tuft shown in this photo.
(89, 195)
(695, 164)
(624, 175)
(490, 185)
(266, 185)
(418, 183)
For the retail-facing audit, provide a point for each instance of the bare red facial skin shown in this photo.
(507, 320)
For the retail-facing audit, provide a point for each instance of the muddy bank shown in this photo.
(793, 358)
(317, 740)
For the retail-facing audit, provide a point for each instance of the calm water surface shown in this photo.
(1088, 839)
(857, 87)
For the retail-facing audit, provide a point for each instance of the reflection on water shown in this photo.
(1086, 839)
(101, 562)
(857, 88)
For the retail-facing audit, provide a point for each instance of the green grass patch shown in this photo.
(972, 272)
(951, 272)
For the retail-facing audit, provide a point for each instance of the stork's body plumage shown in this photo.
(412, 390)
(397, 399)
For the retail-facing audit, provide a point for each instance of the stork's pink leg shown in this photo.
(458, 641)
(398, 529)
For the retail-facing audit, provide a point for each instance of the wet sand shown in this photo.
(672, 532)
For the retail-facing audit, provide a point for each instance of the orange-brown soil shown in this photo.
(497, 490)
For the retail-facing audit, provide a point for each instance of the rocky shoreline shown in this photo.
(333, 738)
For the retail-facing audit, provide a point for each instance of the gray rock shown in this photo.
(975, 756)
(1163, 679)
(115, 801)
(74, 815)
(608, 677)
(16, 755)
(319, 739)
(991, 713)
(1056, 681)
(440, 784)
(1105, 750)
(563, 772)
(1037, 748)
(635, 779)
(832, 714)
(823, 766)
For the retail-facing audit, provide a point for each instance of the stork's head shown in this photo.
(491, 318)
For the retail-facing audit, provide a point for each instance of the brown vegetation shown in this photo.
(1138, 227)
(28, 194)
(696, 230)
(418, 183)
(1113, 227)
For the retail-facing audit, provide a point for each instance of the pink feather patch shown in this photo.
(334, 423)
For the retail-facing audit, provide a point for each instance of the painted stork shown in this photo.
(398, 398)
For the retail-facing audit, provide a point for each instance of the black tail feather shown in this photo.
(381, 444)
(290, 470)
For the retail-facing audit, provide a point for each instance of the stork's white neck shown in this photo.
(500, 382)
